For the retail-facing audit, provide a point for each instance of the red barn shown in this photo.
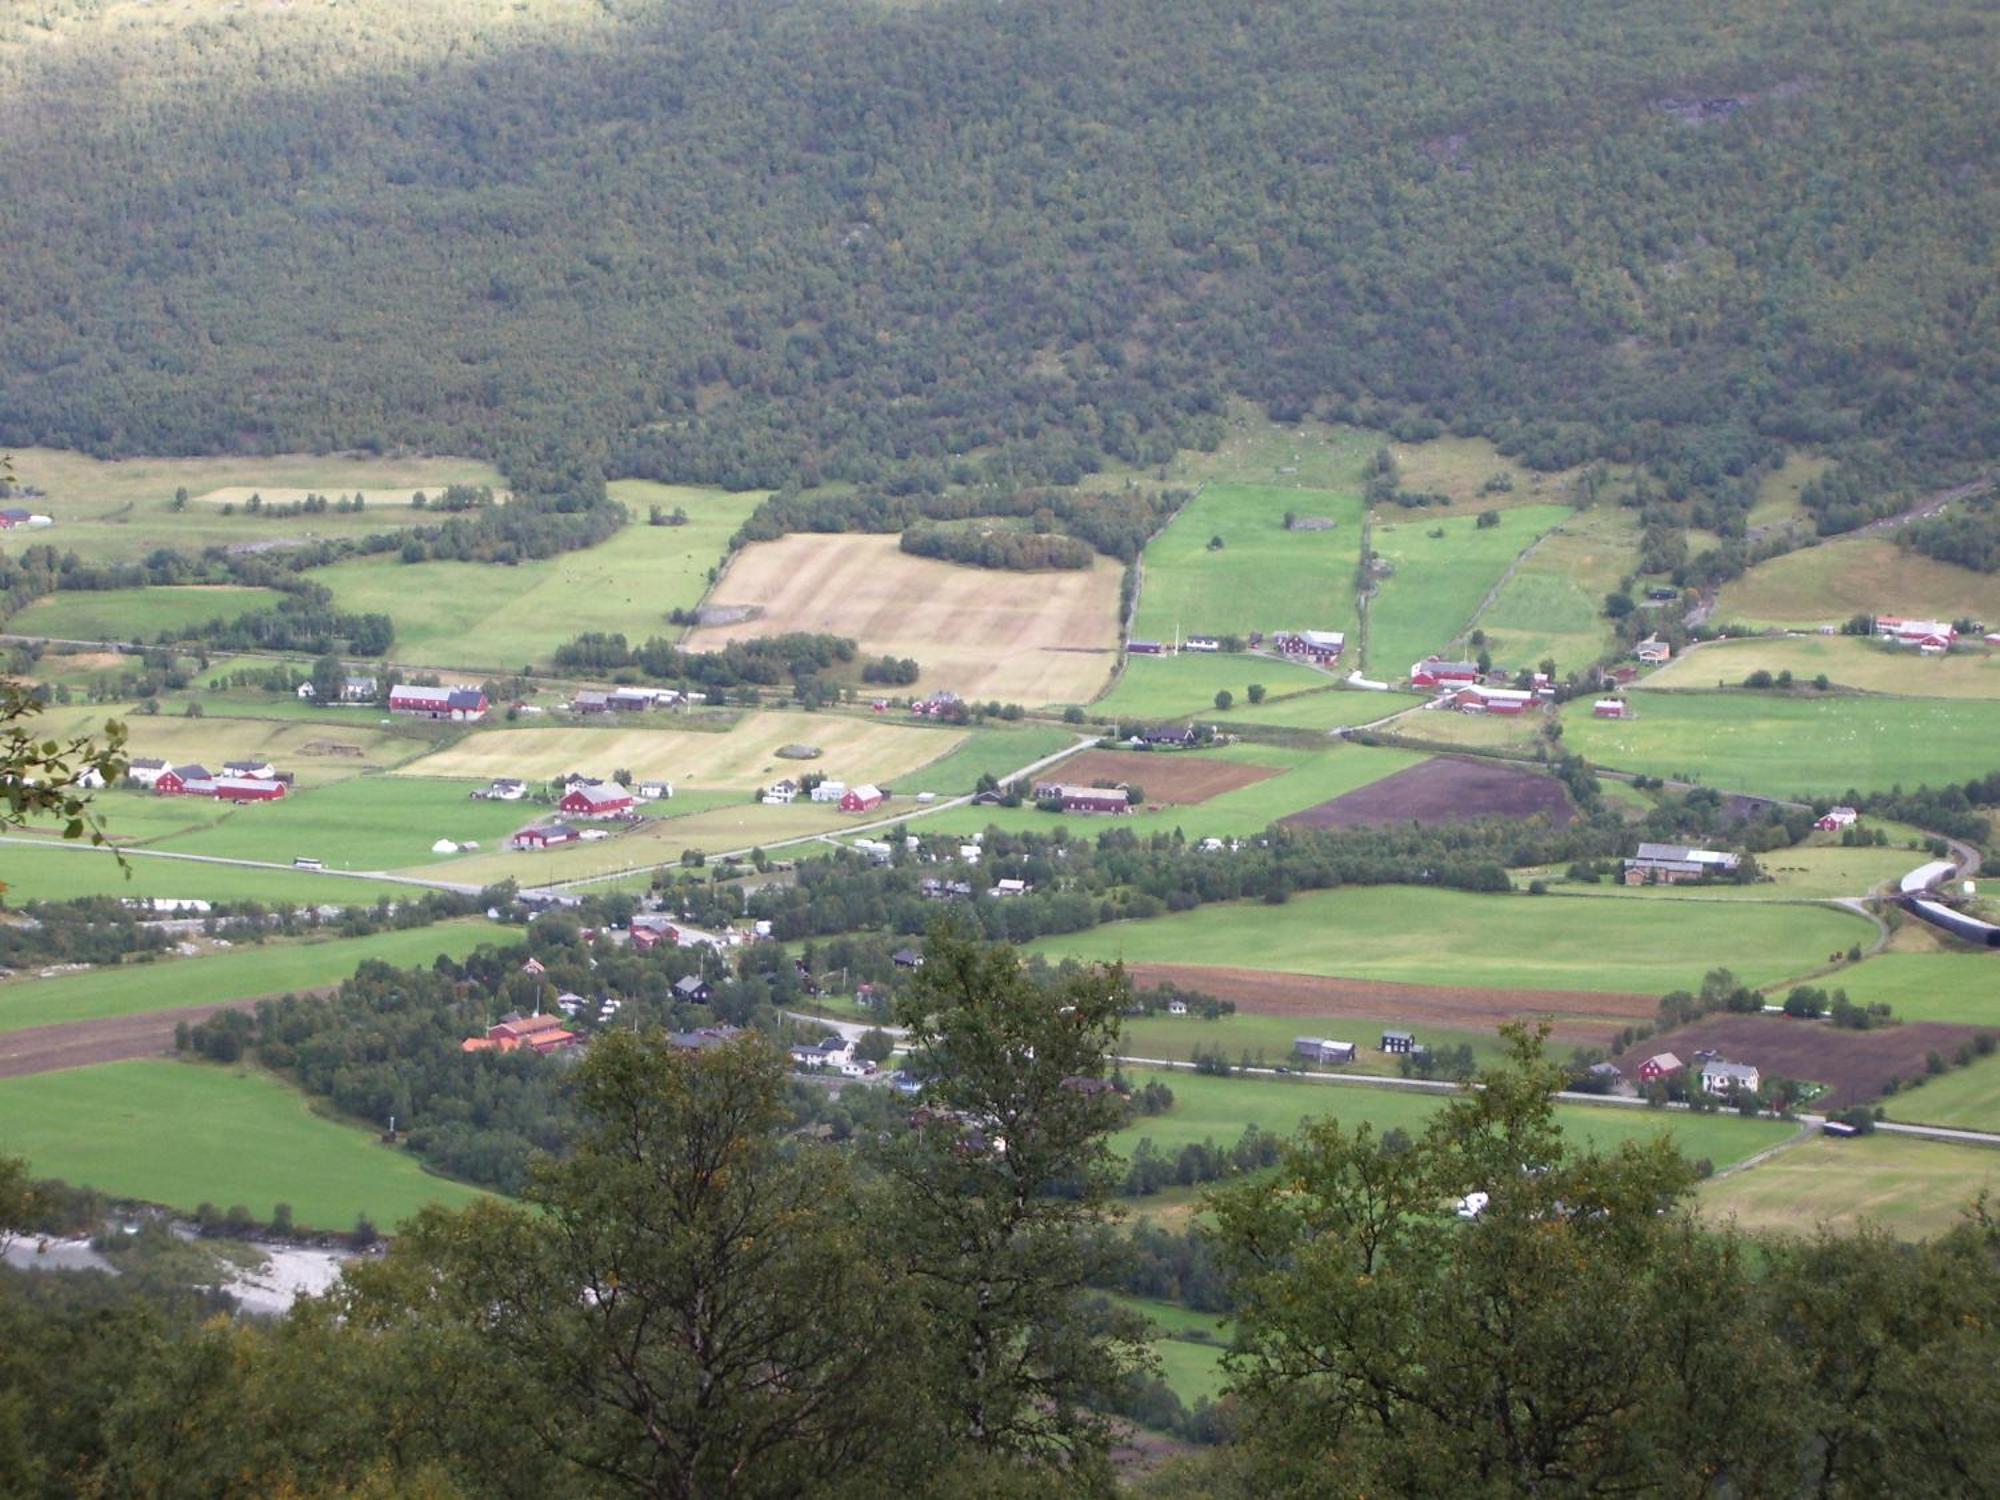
(597, 799)
(248, 789)
(185, 781)
(1610, 708)
(460, 704)
(545, 836)
(1430, 672)
(858, 799)
(1658, 1066)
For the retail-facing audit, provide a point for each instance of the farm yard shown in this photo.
(480, 617)
(1445, 790)
(246, 972)
(1911, 1188)
(740, 758)
(1184, 686)
(1496, 941)
(1869, 575)
(1444, 567)
(1166, 776)
(184, 1134)
(1781, 746)
(1806, 873)
(1874, 666)
(119, 510)
(1854, 1065)
(983, 633)
(135, 614)
(1263, 577)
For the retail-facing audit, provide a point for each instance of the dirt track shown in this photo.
(78, 1044)
(1445, 790)
(1577, 1017)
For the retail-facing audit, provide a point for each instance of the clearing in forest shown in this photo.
(983, 633)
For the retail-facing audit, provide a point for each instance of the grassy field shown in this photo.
(1552, 605)
(479, 616)
(119, 510)
(983, 633)
(1864, 575)
(1308, 778)
(853, 749)
(1184, 686)
(1961, 985)
(995, 752)
(63, 872)
(1330, 709)
(1460, 467)
(1967, 1098)
(1912, 1188)
(1778, 491)
(723, 821)
(1521, 732)
(1267, 1040)
(184, 1134)
(1781, 746)
(135, 614)
(242, 973)
(1263, 577)
(1438, 937)
(369, 823)
(1210, 1108)
(1811, 872)
(1188, 1344)
(1440, 581)
(1846, 660)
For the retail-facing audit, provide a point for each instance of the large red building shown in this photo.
(596, 799)
(248, 789)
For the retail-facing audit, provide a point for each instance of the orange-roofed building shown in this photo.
(538, 1033)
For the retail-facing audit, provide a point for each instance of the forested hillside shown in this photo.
(776, 241)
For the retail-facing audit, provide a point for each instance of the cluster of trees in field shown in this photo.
(762, 661)
(95, 930)
(1967, 534)
(1018, 551)
(1115, 522)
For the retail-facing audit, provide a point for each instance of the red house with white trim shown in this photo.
(459, 704)
(1431, 672)
(860, 799)
(545, 836)
(1610, 708)
(597, 799)
(1660, 1065)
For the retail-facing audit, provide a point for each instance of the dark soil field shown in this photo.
(1168, 776)
(1445, 790)
(1578, 1018)
(1854, 1065)
(79, 1044)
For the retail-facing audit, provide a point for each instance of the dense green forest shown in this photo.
(783, 242)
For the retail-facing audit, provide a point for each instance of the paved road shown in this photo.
(245, 864)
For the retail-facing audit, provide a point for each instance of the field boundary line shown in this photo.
(1506, 577)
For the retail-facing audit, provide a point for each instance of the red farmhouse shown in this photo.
(861, 799)
(460, 704)
(248, 789)
(1659, 1066)
(1430, 672)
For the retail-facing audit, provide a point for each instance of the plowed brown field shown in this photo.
(1171, 776)
(1445, 790)
(1854, 1065)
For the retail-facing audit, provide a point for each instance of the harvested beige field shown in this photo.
(743, 757)
(1029, 638)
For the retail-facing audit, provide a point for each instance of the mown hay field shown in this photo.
(1863, 575)
(184, 1134)
(1972, 671)
(983, 633)
(1914, 1189)
(484, 617)
(853, 749)
(1553, 605)
(1439, 581)
(1263, 577)
(1455, 938)
(1775, 745)
(118, 510)
(317, 751)
(1184, 686)
(57, 871)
